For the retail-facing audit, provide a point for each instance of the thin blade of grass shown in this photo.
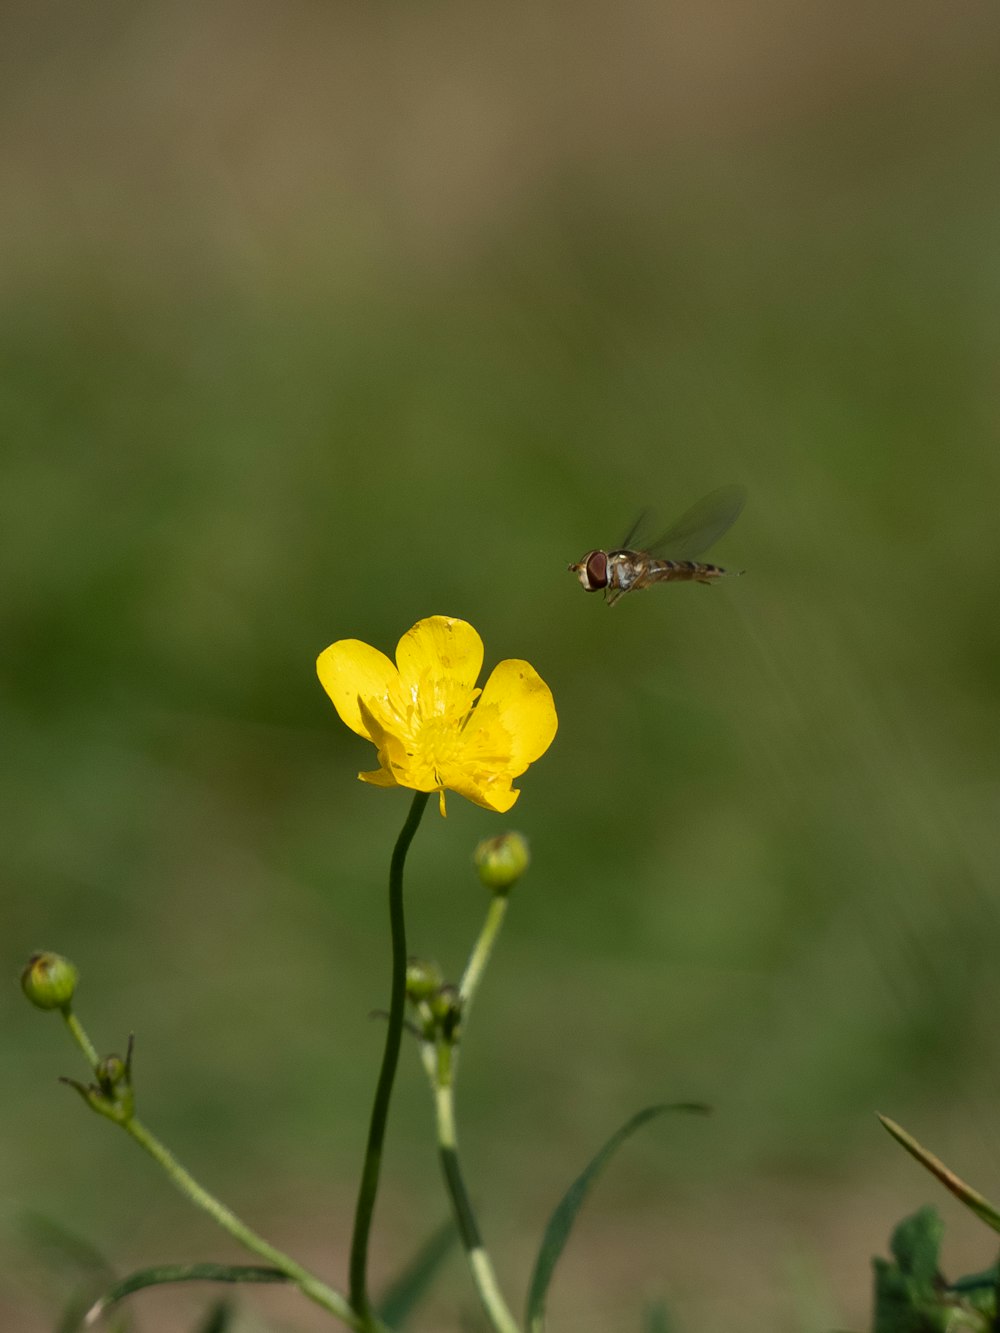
(412, 1284)
(561, 1222)
(972, 1199)
(154, 1277)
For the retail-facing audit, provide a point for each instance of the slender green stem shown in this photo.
(481, 951)
(483, 1275)
(390, 1058)
(308, 1283)
(81, 1038)
(480, 956)
(441, 1062)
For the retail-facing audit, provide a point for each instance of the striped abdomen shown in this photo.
(677, 571)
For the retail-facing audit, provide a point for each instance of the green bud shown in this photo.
(112, 1094)
(110, 1072)
(501, 861)
(422, 979)
(49, 981)
(114, 1079)
(446, 1008)
(117, 1104)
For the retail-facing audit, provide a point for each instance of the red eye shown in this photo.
(597, 570)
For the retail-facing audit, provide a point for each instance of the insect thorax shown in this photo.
(622, 570)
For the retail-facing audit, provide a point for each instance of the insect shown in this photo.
(633, 565)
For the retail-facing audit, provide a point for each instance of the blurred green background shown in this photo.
(321, 318)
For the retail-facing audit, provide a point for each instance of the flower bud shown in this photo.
(446, 1008)
(501, 861)
(110, 1072)
(112, 1094)
(49, 980)
(423, 979)
(109, 1097)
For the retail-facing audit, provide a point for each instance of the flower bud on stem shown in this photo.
(112, 1095)
(440, 1059)
(49, 981)
(501, 861)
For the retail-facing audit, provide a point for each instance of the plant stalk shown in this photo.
(307, 1282)
(371, 1168)
(483, 1274)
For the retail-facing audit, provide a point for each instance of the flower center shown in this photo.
(439, 712)
(437, 744)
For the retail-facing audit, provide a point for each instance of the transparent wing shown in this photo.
(702, 525)
(632, 541)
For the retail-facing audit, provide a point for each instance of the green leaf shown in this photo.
(154, 1277)
(911, 1295)
(984, 1281)
(905, 1287)
(409, 1288)
(561, 1221)
(916, 1244)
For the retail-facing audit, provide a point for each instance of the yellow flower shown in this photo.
(420, 715)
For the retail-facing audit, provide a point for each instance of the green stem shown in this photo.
(441, 1063)
(481, 951)
(307, 1283)
(81, 1038)
(483, 1274)
(390, 1058)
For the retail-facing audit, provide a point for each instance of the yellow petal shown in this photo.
(441, 653)
(349, 669)
(495, 794)
(379, 777)
(516, 696)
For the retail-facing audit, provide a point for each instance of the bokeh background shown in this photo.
(320, 318)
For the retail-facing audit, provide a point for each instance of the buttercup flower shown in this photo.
(433, 729)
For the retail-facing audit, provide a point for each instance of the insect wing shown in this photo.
(702, 525)
(632, 541)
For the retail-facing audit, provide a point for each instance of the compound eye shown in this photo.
(597, 570)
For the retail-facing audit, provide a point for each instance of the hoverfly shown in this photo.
(636, 565)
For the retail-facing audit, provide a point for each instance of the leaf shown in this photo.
(973, 1200)
(74, 1313)
(912, 1296)
(916, 1244)
(561, 1222)
(905, 1287)
(154, 1277)
(407, 1290)
(984, 1281)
